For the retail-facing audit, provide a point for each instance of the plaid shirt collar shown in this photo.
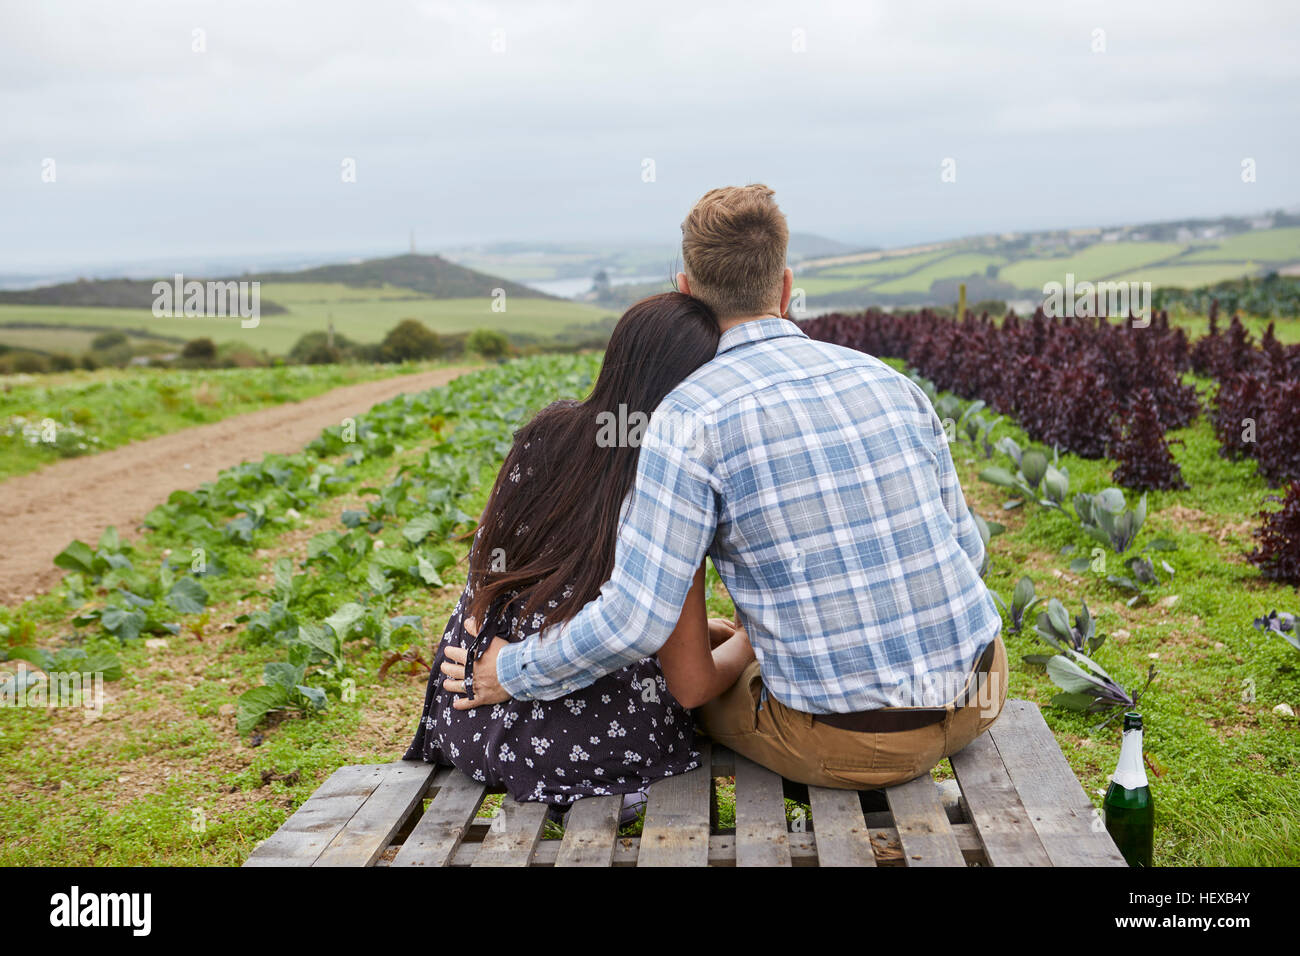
(756, 329)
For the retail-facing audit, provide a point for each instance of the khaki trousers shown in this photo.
(792, 744)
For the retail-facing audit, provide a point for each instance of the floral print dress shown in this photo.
(617, 735)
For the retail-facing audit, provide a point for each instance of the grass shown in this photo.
(1190, 276)
(817, 285)
(110, 407)
(1223, 793)
(131, 788)
(1269, 245)
(951, 267)
(1098, 261)
(888, 266)
(1286, 330)
(362, 314)
(71, 341)
(1161, 263)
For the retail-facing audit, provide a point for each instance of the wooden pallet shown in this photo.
(1020, 806)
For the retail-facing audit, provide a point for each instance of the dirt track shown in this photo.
(77, 498)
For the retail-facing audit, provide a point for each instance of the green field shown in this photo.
(1269, 245)
(958, 266)
(96, 411)
(72, 341)
(817, 285)
(1287, 331)
(1183, 264)
(124, 789)
(1100, 261)
(888, 266)
(362, 314)
(1188, 276)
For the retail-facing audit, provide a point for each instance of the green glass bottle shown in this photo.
(1130, 810)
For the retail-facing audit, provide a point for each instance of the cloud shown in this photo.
(524, 119)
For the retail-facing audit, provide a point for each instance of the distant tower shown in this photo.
(412, 242)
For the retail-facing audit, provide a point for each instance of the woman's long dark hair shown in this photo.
(553, 515)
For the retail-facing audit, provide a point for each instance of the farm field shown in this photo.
(361, 314)
(1187, 276)
(46, 418)
(962, 264)
(1286, 330)
(1098, 261)
(826, 285)
(199, 727)
(71, 340)
(1273, 245)
(887, 266)
(910, 279)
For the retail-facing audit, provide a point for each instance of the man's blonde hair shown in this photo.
(733, 249)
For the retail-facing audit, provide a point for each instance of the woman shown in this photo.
(544, 548)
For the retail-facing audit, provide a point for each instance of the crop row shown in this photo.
(1257, 405)
(40, 422)
(1068, 382)
(351, 579)
(1100, 389)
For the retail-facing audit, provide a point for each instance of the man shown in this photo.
(820, 483)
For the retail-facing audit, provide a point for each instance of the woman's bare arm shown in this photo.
(696, 673)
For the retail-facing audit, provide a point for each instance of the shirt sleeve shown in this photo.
(670, 521)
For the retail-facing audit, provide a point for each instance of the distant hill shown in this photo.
(542, 262)
(100, 293)
(806, 245)
(432, 276)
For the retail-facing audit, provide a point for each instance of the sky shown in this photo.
(157, 131)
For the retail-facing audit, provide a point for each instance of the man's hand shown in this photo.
(485, 688)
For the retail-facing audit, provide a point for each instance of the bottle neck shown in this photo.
(1131, 773)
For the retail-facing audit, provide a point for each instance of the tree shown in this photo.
(202, 350)
(410, 340)
(31, 363)
(314, 348)
(488, 343)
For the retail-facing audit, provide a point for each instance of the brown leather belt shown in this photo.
(894, 721)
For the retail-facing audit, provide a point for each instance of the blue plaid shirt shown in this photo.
(819, 481)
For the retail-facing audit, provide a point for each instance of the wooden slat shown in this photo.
(761, 832)
(590, 831)
(513, 834)
(1061, 813)
(1026, 805)
(303, 837)
(841, 830)
(388, 807)
(437, 836)
(923, 827)
(722, 848)
(1003, 824)
(722, 761)
(676, 830)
